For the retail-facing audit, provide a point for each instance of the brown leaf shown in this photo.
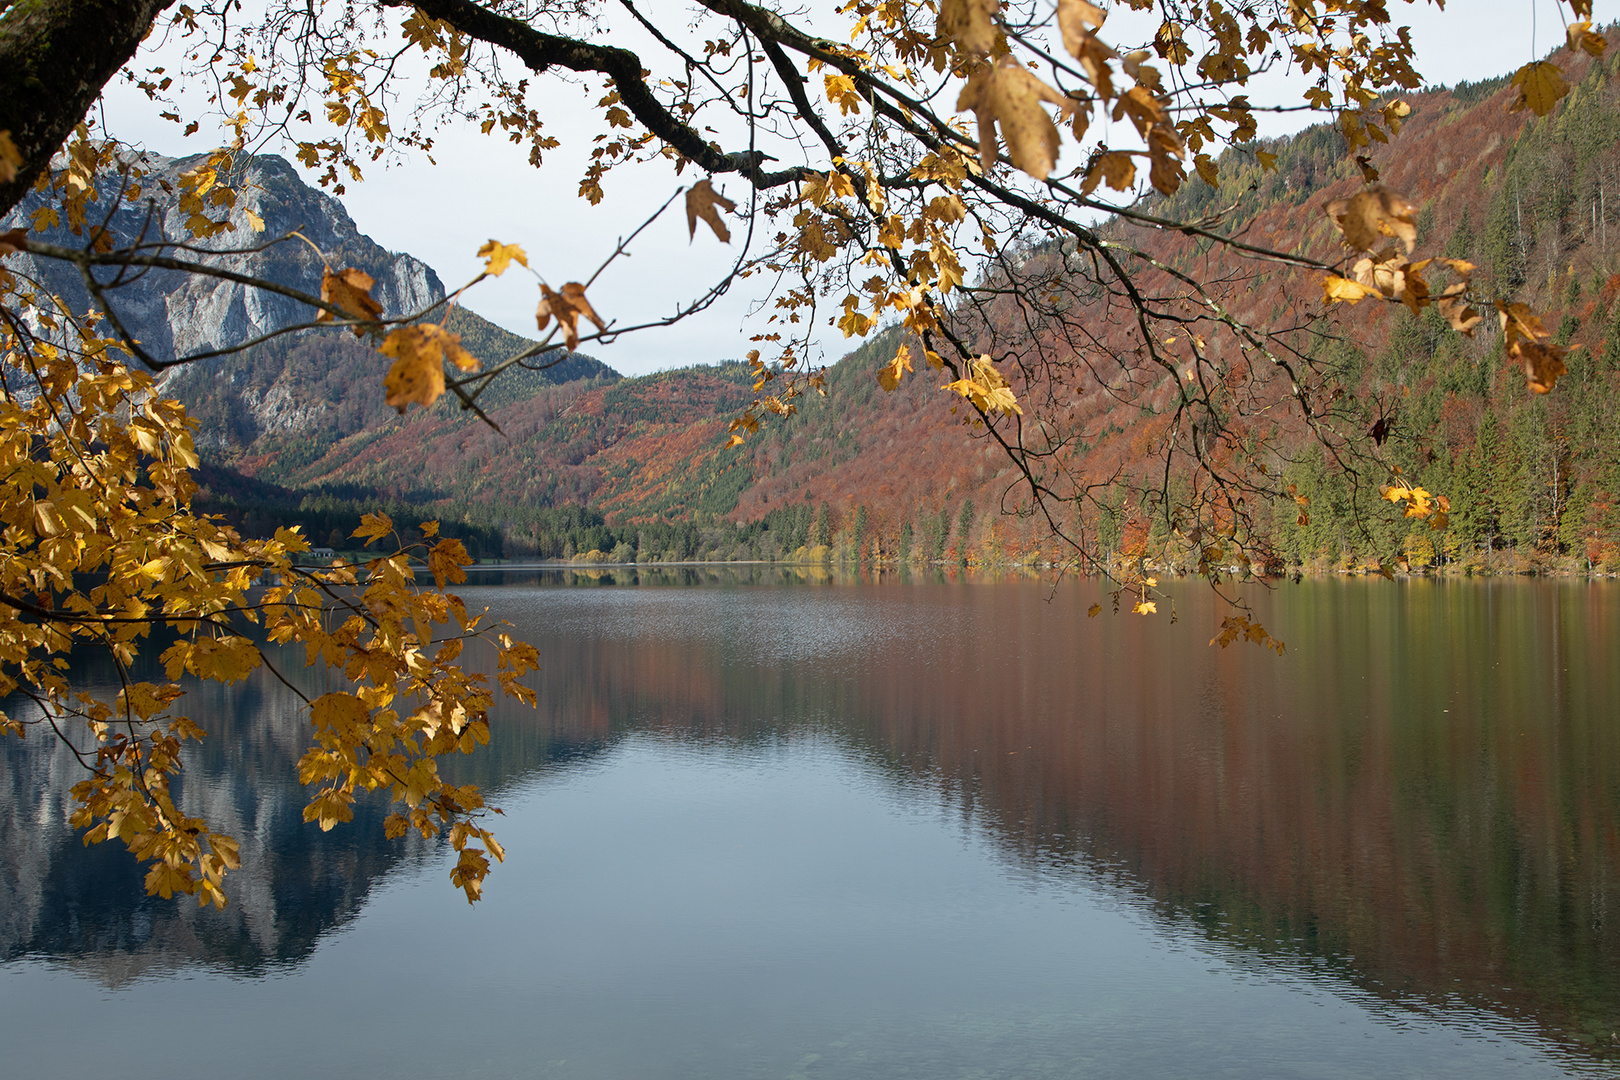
(1368, 173)
(1366, 217)
(1114, 166)
(1168, 43)
(970, 24)
(1543, 364)
(420, 353)
(349, 290)
(1538, 86)
(11, 158)
(1010, 95)
(1208, 171)
(1145, 110)
(1078, 20)
(15, 240)
(1458, 313)
(1146, 75)
(701, 202)
(1165, 153)
(417, 373)
(567, 305)
(1093, 56)
(1581, 36)
(1519, 322)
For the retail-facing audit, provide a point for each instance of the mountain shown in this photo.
(581, 459)
(302, 383)
(1533, 481)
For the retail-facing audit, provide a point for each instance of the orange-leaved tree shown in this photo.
(986, 182)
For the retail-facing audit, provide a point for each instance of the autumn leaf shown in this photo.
(15, 240)
(446, 559)
(420, 353)
(1084, 46)
(1583, 37)
(1543, 364)
(1457, 311)
(1538, 86)
(1145, 607)
(11, 158)
(1077, 21)
(1336, 289)
(1165, 152)
(701, 202)
(970, 24)
(891, 374)
(349, 290)
(1208, 172)
(987, 388)
(1519, 323)
(497, 257)
(1115, 166)
(1168, 43)
(1010, 95)
(1368, 216)
(567, 306)
(373, 527)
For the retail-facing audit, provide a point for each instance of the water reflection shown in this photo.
(1420, 798)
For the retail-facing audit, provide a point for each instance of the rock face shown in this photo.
(321, 384)
(176, 315)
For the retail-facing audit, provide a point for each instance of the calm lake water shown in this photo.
(763, 827)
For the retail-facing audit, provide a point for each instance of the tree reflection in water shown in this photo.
(1420, 797)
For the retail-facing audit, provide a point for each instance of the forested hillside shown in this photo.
(1532, 481)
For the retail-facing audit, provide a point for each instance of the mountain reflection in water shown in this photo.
(1419, 799)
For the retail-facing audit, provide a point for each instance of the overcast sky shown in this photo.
(483, 188)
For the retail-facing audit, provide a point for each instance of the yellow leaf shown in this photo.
(341, 715)
(446, 559)
(1009, 94)
(497, 257)
(11, 158)
(1336, 289)
(1538, 87)
(1582, 36)
(1094, 611)
(1145, 607)
(419, 354)
(701, 202)
(891, 374)
(373, 527)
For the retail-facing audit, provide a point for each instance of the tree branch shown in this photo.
(55, 57)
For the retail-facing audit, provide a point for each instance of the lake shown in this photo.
(768, 826)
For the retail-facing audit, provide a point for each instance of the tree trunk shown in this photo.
(55, 56)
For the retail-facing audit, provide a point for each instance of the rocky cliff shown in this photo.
(175, 314)
(305, 382)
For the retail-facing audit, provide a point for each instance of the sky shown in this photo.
(480, 188)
